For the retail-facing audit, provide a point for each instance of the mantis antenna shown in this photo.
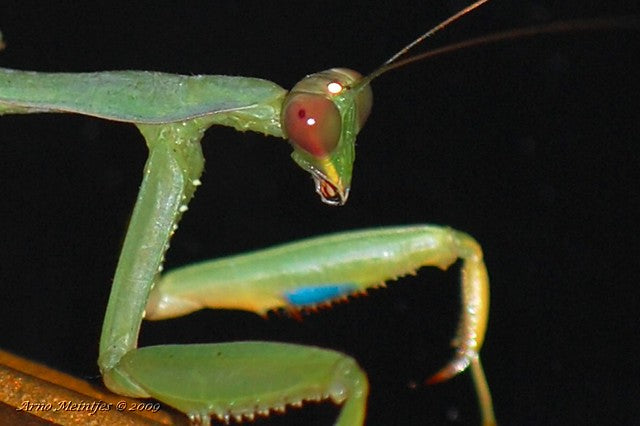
(625, 22)
(389, 63)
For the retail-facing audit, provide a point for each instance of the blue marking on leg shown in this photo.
(311, 295)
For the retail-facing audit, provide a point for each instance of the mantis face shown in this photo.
(321, 117)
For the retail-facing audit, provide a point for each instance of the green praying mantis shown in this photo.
(329, 190)
(321, 117)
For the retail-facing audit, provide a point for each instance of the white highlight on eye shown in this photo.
(334, 88)
(311, 121)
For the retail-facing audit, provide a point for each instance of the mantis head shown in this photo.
(324, 112)
(321, 117)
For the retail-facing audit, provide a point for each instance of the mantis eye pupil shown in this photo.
(312, 123)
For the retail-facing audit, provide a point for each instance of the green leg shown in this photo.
(171, 176)
(307, 273)
(483, 393)
(242, 380)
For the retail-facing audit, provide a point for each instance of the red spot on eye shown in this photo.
(312, 123)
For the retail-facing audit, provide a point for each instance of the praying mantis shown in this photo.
(221, 166)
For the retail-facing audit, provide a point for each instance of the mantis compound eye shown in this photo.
(321, 117)
(312, 122)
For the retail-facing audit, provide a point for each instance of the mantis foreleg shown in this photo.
(321, 270)
(170, 177)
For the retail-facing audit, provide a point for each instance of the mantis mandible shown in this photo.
(329, 188)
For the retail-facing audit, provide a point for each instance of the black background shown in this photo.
(529, 145)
